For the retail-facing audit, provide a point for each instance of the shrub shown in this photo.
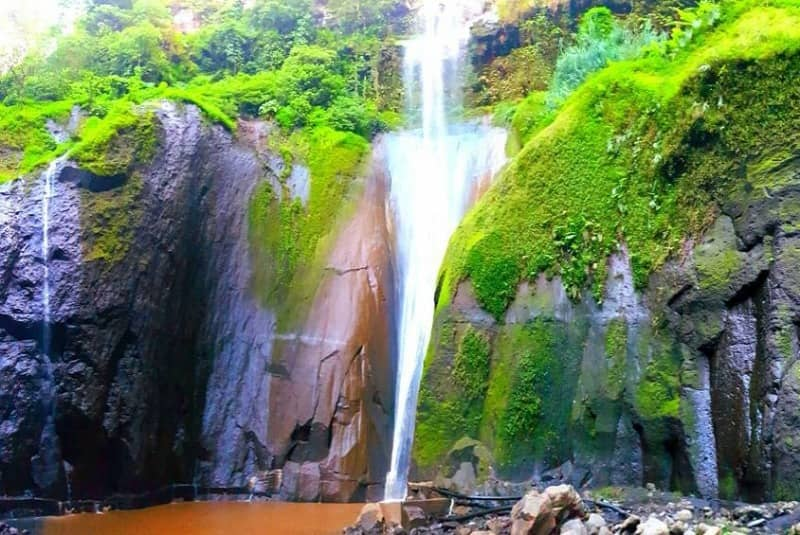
(601, 39)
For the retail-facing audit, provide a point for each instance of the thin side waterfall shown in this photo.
(47, 195)
(47, 461)
(436, 171)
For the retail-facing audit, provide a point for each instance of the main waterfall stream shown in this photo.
(437, 170)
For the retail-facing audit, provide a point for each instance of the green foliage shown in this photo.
(513, 76)
(114, 145)
(600, 40)
(693, 22)
(642, 153)
(269, 59)
(25, 143)
(373, 16)
(597, 24)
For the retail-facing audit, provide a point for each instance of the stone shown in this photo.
(500, 524)
(684, 515)
(165, 364)
(628, 525)
(595, 523)
(574, 527)
(706, 529)
(370, 518)
(677, 528)
(747, 513)
(653, 526)
(565, 500)
(414, 517)
(533, 515)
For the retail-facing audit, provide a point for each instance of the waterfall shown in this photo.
(436, 171)
(47, 462)
(47, 195)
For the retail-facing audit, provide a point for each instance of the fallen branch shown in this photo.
(476, 514)
(606, 505)
(459, 496)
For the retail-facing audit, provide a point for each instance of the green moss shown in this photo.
(450, 403)
(716, 272)
(530, 115)
(533, 386)
(290, 240)
(471, 364)
(786, 490)
(616, 352)
(114, 145)
(209, 108)
(644, 153)
(728, 489)
(494, 273)
(108, 220)
(658, 392)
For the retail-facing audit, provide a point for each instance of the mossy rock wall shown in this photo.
(630, 268)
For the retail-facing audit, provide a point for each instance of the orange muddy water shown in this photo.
(209, 518)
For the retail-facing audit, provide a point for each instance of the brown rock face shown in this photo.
(331, 386)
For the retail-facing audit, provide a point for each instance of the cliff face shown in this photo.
(160, 355)
(693, 384)
(110, 409)
(332, 383)
(625, 297)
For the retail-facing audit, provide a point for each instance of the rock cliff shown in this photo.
(160, 353)
(575, 324)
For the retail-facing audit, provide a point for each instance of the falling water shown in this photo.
(436, 171)
(47, 195)
(47, 462)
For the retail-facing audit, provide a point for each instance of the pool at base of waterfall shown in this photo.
(204, 518)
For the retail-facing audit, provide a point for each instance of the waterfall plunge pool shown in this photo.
(204, 518)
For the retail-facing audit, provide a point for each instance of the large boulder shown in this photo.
(533, 515)
(539, 513)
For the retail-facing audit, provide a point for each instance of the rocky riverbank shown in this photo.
(562, 509)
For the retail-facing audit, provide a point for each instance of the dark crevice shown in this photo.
(264, 459)
(749, 291)
(677, 300)
(34, 331)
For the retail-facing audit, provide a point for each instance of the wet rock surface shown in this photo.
(332, 388)
(105, 409)
(158, 368)
(693, 384)
(634, 511)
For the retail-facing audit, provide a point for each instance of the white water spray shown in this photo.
(47, 195)
(435, 173)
